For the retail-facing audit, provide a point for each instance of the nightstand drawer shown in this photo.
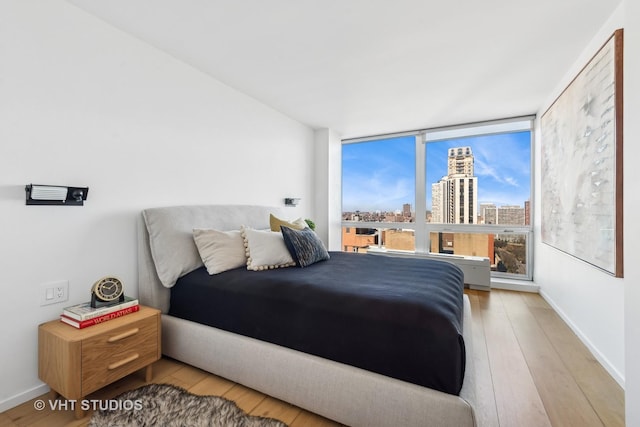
(118, 352)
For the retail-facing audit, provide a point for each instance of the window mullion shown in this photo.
(421, 196)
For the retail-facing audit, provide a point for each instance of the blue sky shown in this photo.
(379, 175)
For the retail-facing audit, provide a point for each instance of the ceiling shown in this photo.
(365, 67)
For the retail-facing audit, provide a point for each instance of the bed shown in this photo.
(371, 383)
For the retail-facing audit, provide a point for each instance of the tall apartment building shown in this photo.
(406, 210)
(460, 162)
(436, 202)
(454, 197)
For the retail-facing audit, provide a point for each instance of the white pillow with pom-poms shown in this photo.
(265, 250)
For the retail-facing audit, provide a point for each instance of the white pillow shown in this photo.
(220, 250)
(265, 250)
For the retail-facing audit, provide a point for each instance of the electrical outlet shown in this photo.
(54, 292)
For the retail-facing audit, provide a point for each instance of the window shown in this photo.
(378, 178)
(378, 186)
(461, 190)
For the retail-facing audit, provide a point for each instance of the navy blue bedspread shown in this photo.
(400, 317)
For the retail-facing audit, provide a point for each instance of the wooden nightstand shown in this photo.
(76, 362)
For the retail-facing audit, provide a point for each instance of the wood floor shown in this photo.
(532, 371)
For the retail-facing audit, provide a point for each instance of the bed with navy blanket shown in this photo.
(365, 340)
(395, 316)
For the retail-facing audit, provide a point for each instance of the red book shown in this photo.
(100, 319)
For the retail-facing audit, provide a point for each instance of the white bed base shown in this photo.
(343, 393)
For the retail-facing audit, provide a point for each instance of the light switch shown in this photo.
(54, 292)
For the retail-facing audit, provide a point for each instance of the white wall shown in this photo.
(81, 103)
(328, 187)
(631, 209)
(591, 301)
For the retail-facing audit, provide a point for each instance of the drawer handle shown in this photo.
(116, 365)
(124, 335)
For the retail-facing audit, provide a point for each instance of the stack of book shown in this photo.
(83, 315)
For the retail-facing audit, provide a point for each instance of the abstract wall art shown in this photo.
(581, 143)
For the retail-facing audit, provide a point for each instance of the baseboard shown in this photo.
(25, 396)
(593, 349)
(515, 285)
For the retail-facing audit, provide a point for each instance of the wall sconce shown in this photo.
(291, 201)
(55, 195)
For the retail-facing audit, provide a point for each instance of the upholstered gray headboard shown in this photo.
(166, 249)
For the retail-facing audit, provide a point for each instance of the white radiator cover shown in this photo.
(477, 270)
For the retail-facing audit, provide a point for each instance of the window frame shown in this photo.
(423, 229)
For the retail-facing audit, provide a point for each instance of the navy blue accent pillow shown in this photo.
(305, 246)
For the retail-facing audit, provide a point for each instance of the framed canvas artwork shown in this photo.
(581, 142)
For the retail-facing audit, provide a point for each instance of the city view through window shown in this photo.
(480, 183)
